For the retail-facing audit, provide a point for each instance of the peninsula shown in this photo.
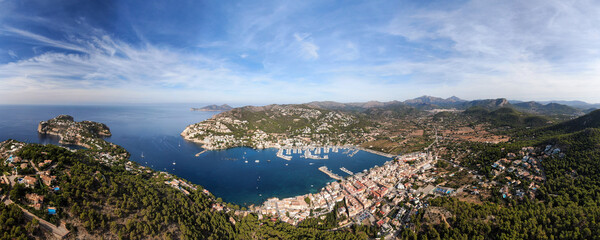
(393, 127)
(213, 108)
(278, 126)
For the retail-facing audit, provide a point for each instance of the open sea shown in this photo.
(154, 132)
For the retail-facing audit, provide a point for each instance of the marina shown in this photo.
(322, 153)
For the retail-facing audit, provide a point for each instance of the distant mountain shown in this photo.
(577, 104)
(555, 110)
(213, 108)
(548, 109)
(490, 104)
(429, 102)
(331, 105)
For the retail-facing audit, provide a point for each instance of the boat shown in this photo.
(173, 163)
(311, 163)
(286, 164)
(256, 161)
(142, 154)
(246, 161)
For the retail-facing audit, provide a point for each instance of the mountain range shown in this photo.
(549, 108)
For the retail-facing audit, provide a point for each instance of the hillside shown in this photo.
(565, 204)
(590, 120)
(507, 117)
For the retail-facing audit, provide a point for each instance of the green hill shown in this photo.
(567, 203)
(506, 116)
(550, 109)
(590, 120)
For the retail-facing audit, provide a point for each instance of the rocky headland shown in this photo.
(87, 134)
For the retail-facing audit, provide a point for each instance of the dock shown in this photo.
(325, 170)
(280, 155)
(198, 154)
(309, 155)
(346, 171)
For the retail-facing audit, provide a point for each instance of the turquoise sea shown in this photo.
(154, 132)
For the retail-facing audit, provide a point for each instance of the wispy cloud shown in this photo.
(12, 54)
(36, 38)
(307, 47)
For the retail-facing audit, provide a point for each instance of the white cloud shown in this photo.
(517, 49)
(537, 49)
(104, 64)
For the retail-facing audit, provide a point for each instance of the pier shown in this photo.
(325, 170)
(198, 154)
(377, 152)
(309, 155)
(346, 171)
(280, 154)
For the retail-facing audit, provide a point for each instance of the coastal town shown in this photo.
(365, 195)
(386, 196)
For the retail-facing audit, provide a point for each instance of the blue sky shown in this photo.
(260, 52)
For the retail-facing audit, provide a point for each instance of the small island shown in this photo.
(213, 108)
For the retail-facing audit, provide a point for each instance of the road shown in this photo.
(58, 232)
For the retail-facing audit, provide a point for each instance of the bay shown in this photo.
(153, 130)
